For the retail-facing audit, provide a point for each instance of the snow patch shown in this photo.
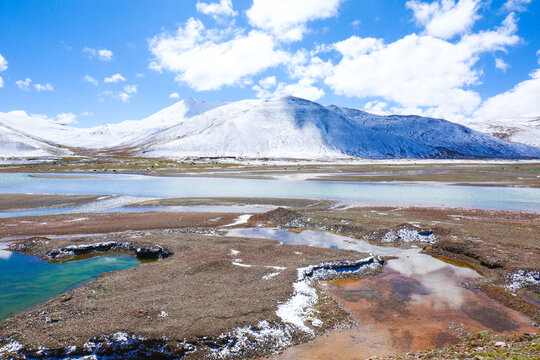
(240, 264)
(242, 219)
(522, 279)
(406, 235)
(271, 275)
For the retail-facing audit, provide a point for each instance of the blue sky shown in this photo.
(94, 62)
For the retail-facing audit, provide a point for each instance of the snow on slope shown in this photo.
(130, 130)
(16, 144)
(299, 129)
(285, 128)
(105, 135)
(522, 130)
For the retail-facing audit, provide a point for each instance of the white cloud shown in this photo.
(521, 101)
(192, 51)
(445, 18)
(91, 80)
(114, 78)
(87, 113)
(140, 76)
(124, 95)
(267, 82)
(44, 87)
(89, 52)
(304, 89)
(174, 95)
(24, 84)
(516, 5)
(376, 107)
(101, 54)
(538, 55)
(3, 67)
(356, 23)
(66, 118)
(130, 89)
(418, 70)
(501, 64)
(105, 55)
(217, 10)
(287, 19)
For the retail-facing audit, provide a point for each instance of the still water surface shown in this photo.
(27, 280)
(482, 197)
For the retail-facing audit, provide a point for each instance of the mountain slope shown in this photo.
(16, 144)
(105, 135)
(521, 130)
(295, 128)
(285, 128)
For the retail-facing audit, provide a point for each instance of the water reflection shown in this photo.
(504, 198)
(417, 302)
(440, 278)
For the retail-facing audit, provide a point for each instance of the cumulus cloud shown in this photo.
(44, 87)
(66, 118)
(3, 67)
(418, 70)
(130, 89)
(191, 53)
(105, 55)
(174, 95)
(91, 80)
(501, 64)
(217, 10)
(521, 101)
(114, 78)
(516, 5)
(125, 95)
(101, 54)
(24, 84)
(445, 18)
(287, 19)
(304, 89)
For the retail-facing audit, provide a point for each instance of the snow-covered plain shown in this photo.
(283, 128)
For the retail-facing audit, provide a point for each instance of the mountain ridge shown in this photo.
(282, 128)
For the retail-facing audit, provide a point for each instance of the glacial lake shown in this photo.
(378, 194)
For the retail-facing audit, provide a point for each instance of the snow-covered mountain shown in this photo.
(284, 128)
(32, 127)
(294, 128)
(522, 130)
(14, 143)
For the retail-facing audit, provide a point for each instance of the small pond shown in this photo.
(27, 280)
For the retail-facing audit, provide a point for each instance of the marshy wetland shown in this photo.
(285, 268)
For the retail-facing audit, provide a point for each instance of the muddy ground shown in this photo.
(495, 243)
(204, 294)
(15, 202)
(189, 298)
(108, 222)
